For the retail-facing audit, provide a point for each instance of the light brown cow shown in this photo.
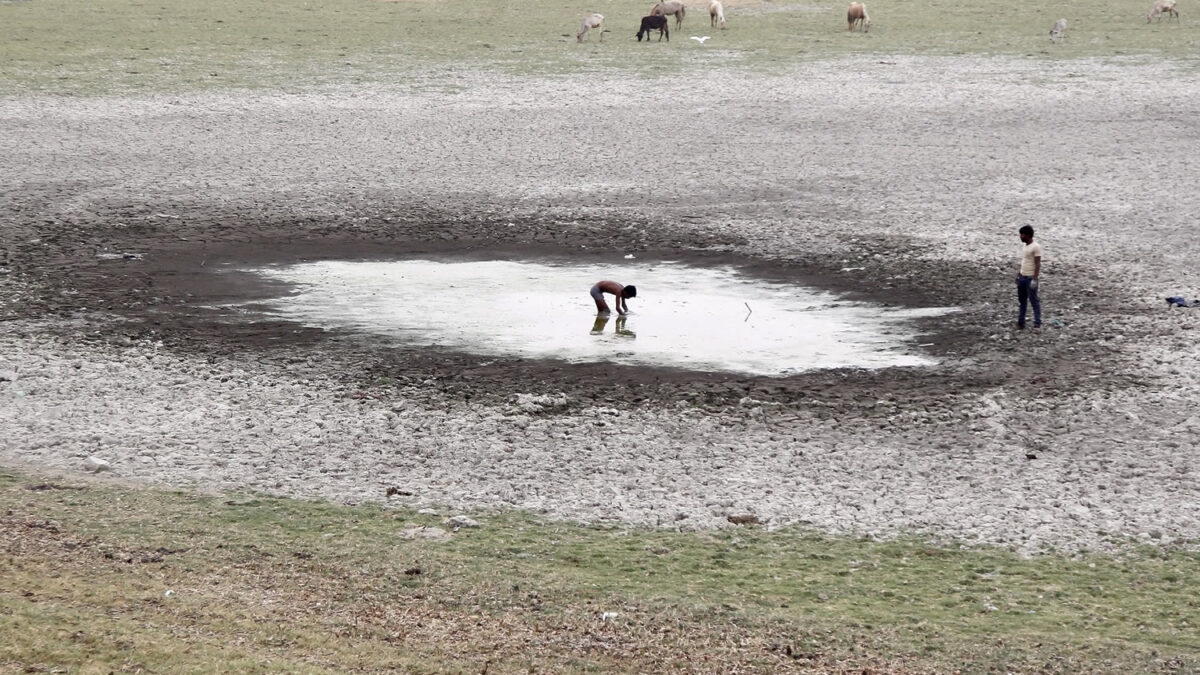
(857, 14)
(669, 7)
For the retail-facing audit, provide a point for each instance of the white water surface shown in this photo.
(697, 318)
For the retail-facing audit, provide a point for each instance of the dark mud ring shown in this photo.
(170, 286)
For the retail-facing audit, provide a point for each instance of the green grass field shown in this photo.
(100, 578)
(124, 46)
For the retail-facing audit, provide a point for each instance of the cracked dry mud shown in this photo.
(903, 183)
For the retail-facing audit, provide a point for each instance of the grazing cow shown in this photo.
(857, 14)
(1162, 7)
(716, 13)
(591, 21)
(669, 7)
(658, 23)
(1059, 30)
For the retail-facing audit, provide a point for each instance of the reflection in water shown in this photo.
(599, 324)
(619, 328)
(687, 317)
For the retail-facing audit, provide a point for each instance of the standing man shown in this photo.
(1027, 277)
(621, 293)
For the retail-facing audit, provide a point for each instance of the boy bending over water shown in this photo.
(619, 291)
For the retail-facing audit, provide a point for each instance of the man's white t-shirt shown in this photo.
(1028, 253)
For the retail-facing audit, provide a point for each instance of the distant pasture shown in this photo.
(115, 46)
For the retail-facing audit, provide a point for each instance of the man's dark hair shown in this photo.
(1027, 229)
(629, 292)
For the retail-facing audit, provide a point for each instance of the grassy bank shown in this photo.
(117, 46)
(100, 578)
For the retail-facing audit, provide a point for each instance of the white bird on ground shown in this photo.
(699, 39)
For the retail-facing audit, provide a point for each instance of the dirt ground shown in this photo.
(124, 224)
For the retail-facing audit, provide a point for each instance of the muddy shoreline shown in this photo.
(178, 289)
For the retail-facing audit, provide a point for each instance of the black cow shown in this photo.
(658, 23)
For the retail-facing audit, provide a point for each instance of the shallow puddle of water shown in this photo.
(688, 317)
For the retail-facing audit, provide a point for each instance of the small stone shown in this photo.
(435, 533)
(96, 465)
(458, 522)
(746, 519)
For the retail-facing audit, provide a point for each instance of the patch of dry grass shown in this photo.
(105, 578)
(100, 603)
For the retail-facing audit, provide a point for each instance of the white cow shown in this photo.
(1059, 30)
(1162, 7)
(716, 13)
(591, 21)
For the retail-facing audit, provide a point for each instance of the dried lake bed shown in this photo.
(1084, 435)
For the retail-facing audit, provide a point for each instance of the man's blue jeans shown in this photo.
(1027, 294)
